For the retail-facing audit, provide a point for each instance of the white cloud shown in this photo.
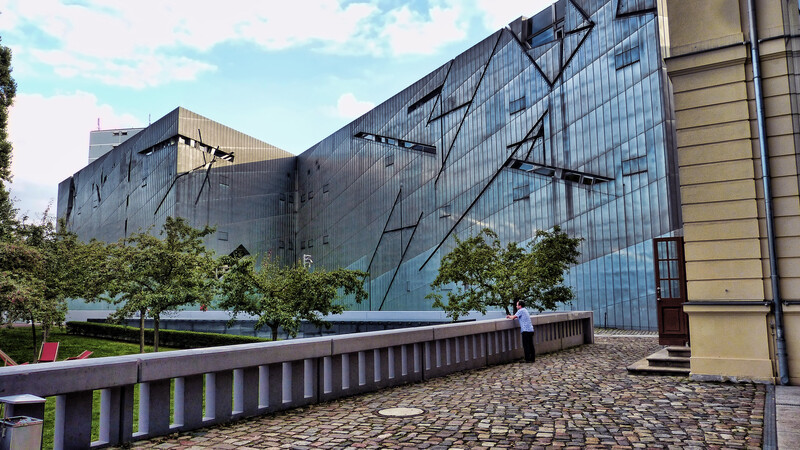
(497, 14)
(156, 42)
(410, 32)
(50, 136)
(349, 107)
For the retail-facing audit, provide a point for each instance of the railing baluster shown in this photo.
(345, 371)
(263, 387)
(211, 398)
(286, 382)
(362, 368)
(390, 360)
(327, 374)
(376, 365)
(179, 403)
(308, 378)
(238, 391)
(275, 384)
(404, 360)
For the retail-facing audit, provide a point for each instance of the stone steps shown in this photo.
(667, 361)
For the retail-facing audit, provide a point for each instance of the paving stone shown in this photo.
(577, 398)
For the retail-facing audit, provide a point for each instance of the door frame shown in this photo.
(682, 336)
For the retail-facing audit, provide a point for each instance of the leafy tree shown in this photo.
(283, 297)
(42, 267)
(153, 276)
(71, 268)
(486, 274)
(20, 288)
(8, 222)
(8, 90)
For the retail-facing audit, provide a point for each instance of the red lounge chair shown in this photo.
(7, 361)
(48, 352)
(83, 355)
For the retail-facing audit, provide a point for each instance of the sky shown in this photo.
(289, 73)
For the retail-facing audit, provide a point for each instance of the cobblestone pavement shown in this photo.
(620, 332)
(578, 398)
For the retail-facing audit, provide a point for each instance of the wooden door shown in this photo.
(673, 323)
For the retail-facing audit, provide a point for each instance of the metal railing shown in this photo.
(188, 389)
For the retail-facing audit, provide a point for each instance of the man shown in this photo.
(526, 327)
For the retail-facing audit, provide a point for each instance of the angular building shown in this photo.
(561, 119)
(103, 141)
(187, 166)
(653, 129)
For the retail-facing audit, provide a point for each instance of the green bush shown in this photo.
(168, 338)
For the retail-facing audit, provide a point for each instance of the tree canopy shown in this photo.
(284, 296)
(43, 266)
(484, 274)
(8, 90)
(154, 275)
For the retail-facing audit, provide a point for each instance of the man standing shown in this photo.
(526, 327)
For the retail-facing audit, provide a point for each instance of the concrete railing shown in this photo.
(214, 385)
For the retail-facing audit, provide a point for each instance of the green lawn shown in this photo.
(17, 343)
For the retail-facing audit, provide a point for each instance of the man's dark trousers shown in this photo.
(528, 347)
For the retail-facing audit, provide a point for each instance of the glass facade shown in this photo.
(563, 122)
(560, 119)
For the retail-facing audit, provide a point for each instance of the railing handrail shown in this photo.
(309, 370)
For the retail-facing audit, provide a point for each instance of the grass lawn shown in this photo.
(17, 342)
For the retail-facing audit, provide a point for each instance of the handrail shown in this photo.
(249, 379)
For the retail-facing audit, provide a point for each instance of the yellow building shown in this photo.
(740, 243)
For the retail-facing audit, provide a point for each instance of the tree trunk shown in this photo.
(141, 331)
(33, 330)
(274, 332)
(155, 332)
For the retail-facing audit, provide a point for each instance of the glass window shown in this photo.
(543, 37)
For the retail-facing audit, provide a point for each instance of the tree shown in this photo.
(283, 297)
(71, 268)
(486, 274)
(153, 276)
(8, 90)
(42, 267)
(20, 288)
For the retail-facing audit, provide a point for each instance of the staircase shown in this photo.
(667, 361)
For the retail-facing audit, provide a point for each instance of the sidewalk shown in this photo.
(577, 398)
(787, 415)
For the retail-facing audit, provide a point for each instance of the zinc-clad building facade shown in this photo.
(561, 119)
(573, 130)
(188, 166)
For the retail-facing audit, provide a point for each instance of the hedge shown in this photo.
(167, 338)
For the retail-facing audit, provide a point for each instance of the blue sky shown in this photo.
(288, 73)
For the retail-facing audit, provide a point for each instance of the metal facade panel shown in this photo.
(366, 198)
(165, 171)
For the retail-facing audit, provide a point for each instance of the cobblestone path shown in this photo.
(578, 398)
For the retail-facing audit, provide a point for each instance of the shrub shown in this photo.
(169, 338)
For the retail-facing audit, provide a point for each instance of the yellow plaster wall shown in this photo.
(733, 343)
(690, 29)
(727, 256)
(791, 321)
